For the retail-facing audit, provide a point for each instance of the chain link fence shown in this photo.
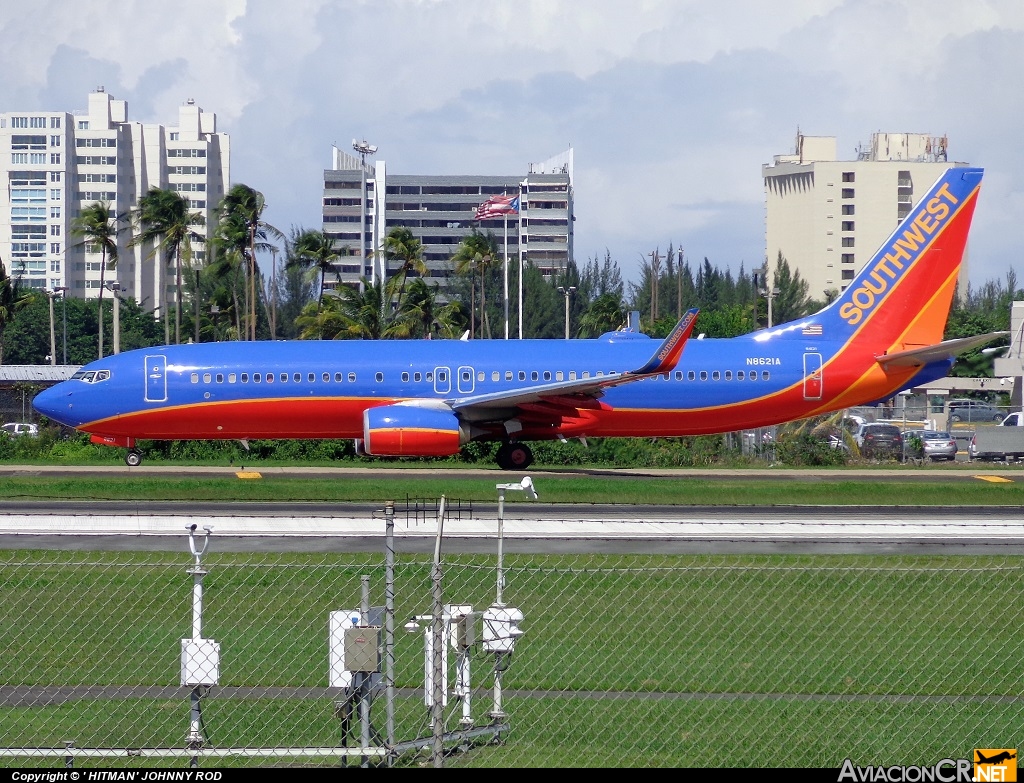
(625, 661)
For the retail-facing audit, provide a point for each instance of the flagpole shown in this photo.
(506, 275)
(520, 260)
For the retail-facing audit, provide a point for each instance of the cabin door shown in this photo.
(812, 376)
(156, 378)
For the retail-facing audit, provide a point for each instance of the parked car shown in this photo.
(973, 411)
(933, 444)
(879, 440)
(16, 429)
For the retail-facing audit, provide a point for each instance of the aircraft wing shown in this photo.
(664, 360)
(919, 357)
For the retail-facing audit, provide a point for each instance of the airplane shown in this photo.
(427, 398)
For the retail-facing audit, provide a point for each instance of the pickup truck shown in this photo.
(1002, 442)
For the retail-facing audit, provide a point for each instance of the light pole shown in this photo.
(771, 293)
(63, 291)
(53, 333)
(526, 485)
(567, 293)
(114, 290)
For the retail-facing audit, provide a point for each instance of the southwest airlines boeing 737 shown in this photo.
(429, 397)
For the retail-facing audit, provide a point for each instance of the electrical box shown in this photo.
(362, 648)
(339, 674)
(501, 628)
(200, 662)
(464, 631)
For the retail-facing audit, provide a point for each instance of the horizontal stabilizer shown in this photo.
(918, 357)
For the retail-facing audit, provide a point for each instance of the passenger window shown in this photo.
(467, 375)
(256, 377)
(481, 376)
(572, 375)
(679, 375)
(405, 377)
(547, 375)
(598, 374)
(534, 376)
(326, 377)
(522, 375)
(753, 375)
(417, 377)
(220, 377)
(351, 377)
(586, 374)
(245, 377)
(495, 376)
(691, 375)
(311, 377)
(667, 376)
(232, 377)
(338, 377)
(558, 375)
(207, 377)
(716, 376)
(765, 375)
(430, 377)
(508, 375)
(728, 375)
(703, 375)
(740, 375)
(379, 377)
(195, 377)
(284, 377)
(297, 377)
(270, 377)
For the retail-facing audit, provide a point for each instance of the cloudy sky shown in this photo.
(671, 106)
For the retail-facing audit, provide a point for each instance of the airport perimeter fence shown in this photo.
(624, 661)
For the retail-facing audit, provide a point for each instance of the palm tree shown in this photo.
(163, 217)
(315, 251)
(430, 315)
(477, 251)
(97, 225)
(604, 314)
(401, 245)
(12, 299)
(242, 229)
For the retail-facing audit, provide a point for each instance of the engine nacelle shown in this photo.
(408, 431)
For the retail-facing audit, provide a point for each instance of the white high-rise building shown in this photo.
(828, 217)
(56, 163)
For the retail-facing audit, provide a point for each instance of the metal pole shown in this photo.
(197, 305)
(437, 636)
(64, 308)
(520, 261)
(53, 331)
(195, 733)
(506, 276)
(389, 624)
(117, 321)
(363, 678)
(501, 547)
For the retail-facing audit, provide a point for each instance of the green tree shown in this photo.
(99, 226)
(476, 254)
(400, 245)
(12, 299)
(605, 314)
(314, 252)
(791, 301)
(431, 316)
(164, 218)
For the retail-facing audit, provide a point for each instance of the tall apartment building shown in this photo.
(828, 217)
(362, 202)
(56, 163)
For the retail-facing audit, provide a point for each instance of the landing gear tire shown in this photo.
(514, 456)
(133, 458)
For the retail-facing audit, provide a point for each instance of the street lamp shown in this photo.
(63, 291)
(114, 289)
(526, 485)
(53, 335)
(771, 293)
(567, 292)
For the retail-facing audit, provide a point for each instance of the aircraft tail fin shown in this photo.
(902, 296)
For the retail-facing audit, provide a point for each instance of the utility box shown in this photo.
(339, 674)
(200, 662)
(362, 648)
(501, 628)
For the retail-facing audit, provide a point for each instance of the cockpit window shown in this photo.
(91, 376)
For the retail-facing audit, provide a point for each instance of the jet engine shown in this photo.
(410, 431)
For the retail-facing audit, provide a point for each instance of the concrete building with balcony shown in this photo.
(54, 163)
(827, 217)
(363, 201)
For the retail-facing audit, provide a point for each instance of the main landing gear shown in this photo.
(514, 456)
(133, 458)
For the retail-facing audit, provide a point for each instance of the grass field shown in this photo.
(712, 489)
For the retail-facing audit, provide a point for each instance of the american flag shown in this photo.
(496, 206)
(812, 330)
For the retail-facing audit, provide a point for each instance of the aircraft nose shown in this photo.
(55, 403)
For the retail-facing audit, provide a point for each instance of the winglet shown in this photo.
(667, 355)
